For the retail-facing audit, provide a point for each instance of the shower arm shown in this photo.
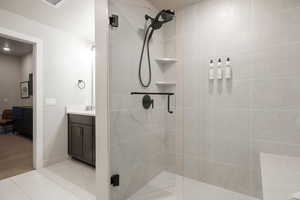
(147, 17)
(157, 93)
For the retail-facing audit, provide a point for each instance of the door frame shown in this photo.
(38, 87)
(102, 100)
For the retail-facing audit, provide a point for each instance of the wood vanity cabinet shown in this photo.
(81, 138)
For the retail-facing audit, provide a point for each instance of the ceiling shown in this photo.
(17, 48)
(172, 4)
(73, 16)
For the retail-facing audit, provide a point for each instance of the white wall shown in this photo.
(228, 123)
(75, 17)
(10, 72)
(66, 59)
(13, 70)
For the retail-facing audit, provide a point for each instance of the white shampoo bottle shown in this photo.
(211, 70)
(228, 69)
(219, 70)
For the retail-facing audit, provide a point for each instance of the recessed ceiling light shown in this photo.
(6, 49)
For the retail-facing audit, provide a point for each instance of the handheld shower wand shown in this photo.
(161, 18)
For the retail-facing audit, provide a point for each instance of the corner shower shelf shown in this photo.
(167, 60)
(165, 84)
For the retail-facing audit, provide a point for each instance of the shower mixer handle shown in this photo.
(148, 102)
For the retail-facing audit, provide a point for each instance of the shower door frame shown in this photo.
(103, 73)
(102, 99)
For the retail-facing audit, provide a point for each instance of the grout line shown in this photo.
(20, 188)
(51, 179)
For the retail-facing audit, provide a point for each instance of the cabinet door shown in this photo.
(76, 141)
(88, 144)
(94, 146)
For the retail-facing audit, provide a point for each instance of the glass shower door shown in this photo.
(143, 142)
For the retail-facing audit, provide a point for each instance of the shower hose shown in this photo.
(147, 39)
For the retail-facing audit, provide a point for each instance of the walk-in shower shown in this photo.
(156, 23)
(224, 116)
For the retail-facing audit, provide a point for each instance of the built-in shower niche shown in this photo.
(168, 68)
(168, 63)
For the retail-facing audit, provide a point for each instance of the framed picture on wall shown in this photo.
(24, 86)
(30, 84)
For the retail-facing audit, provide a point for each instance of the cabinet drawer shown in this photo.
(80, 119)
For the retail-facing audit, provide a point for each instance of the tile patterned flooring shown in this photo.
(68, 180)
(169, 186)
(71, 180)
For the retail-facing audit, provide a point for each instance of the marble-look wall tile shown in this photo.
(220, 127)
(277, 125)
(140, 139)
(226, 124)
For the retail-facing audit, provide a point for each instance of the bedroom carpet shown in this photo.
(15, 155)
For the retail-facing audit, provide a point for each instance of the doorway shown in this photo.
(36, 91)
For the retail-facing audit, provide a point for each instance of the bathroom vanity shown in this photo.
(81, 137)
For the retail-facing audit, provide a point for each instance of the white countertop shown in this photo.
(86, 113)
(79, 110)
(280, 176)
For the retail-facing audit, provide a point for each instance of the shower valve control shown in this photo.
(148, 102)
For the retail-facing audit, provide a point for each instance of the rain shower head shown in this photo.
(161, 18)
(168, 15)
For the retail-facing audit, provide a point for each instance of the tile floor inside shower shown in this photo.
(72, 180)
(169, 186)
